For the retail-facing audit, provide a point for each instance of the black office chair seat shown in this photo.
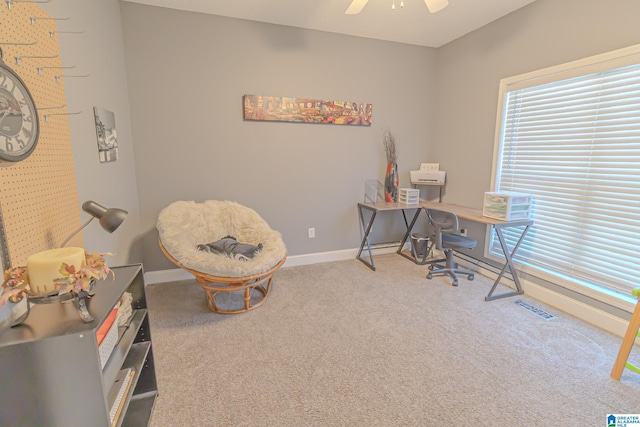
(458, 241)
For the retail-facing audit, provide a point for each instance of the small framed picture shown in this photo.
(106, 134)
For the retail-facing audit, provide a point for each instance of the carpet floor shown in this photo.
(337, 344)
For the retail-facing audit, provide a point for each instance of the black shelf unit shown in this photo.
(51, 366)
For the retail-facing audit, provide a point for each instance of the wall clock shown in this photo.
(19, 125)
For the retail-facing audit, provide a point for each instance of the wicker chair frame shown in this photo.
(214, 285)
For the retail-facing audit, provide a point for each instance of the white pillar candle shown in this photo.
(44, 267)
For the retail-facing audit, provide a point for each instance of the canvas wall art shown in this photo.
(306, 110)
(106, 133)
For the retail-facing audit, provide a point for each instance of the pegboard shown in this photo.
(38, 195)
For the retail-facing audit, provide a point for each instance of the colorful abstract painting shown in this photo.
(306, 110)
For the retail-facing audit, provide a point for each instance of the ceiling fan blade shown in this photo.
(356, 6)
(436, 5)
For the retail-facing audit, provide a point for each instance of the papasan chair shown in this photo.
(228, 247)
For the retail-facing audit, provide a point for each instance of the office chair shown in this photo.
(443, 235)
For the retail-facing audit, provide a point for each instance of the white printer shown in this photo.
(428, 173)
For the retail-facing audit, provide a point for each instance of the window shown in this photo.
(570, 135)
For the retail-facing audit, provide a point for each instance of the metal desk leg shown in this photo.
(508, 264)
(406, 235)
(365, 239)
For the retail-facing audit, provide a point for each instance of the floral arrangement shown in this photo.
(15, 285)
(76, 281)
(16, 279)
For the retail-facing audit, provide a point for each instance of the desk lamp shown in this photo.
(110, 219)
(44, 267)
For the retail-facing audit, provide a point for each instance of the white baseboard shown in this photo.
(177, 274)
(579, 309)
(162, 276)
(330, 256)
(586, 312)
(571, 306)
(320, 257)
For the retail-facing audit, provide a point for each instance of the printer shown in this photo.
(429, 173)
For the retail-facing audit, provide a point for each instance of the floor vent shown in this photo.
(535, 310)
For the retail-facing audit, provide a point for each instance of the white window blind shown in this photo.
(574, 144)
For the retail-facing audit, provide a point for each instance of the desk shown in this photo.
(374, 208)
(463, 212)
(475, 215)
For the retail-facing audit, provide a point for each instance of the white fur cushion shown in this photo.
(184, 225)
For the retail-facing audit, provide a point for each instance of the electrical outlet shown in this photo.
(312, 233)
(463, 231)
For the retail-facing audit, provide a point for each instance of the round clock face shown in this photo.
(19, 126)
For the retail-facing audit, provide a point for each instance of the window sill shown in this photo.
(589, 290)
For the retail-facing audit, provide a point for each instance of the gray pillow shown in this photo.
(230, 247)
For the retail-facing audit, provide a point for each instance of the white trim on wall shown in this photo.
(177, 274)
(571, 306)
(583, 311)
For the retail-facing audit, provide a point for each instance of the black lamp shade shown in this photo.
(110, 219)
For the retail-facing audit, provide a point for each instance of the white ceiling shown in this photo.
(412, 24)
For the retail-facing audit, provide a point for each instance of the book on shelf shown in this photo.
(106, 325)
(118, 393)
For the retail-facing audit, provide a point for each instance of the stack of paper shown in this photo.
(118, 392)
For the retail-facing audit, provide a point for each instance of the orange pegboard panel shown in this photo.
(38, 196)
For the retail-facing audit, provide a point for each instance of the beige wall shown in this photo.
(187, 73)
(98, 52)
(542, 34)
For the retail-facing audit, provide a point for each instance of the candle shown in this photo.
(44, 267)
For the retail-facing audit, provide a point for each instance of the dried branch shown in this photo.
(390, 147)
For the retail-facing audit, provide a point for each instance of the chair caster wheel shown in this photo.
(471, 277)
(455, 283)
(429, 276)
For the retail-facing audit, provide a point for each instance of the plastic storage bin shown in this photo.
(507, 206)
(410, 196)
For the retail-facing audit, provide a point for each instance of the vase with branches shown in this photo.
(391, 179)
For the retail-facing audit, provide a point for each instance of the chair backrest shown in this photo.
(441, 221)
